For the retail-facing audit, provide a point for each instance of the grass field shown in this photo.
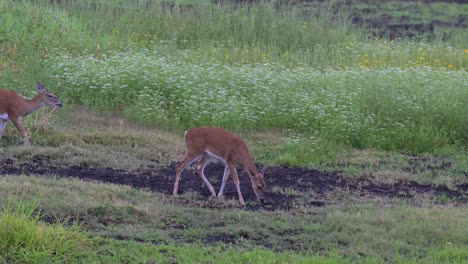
(354, 222)
(363, 134)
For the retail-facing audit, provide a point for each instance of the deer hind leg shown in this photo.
(180, 167)
(199, 169)
(235, 178)
(18, 125)
(3, 124)
(225, 178)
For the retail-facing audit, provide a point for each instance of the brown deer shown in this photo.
(13, 107)
(207, 143)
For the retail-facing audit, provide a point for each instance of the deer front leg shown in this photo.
(225, 178)
(18, 125)
(235, 178)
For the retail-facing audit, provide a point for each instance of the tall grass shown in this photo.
(266, 24)
(25, 239)
(257, 66)
(226, 33)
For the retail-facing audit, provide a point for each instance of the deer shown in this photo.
(203, 144)
(13, 107)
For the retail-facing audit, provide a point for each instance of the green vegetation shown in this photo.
(184, 230)
(300, 83)
(244, 68)
(26, 239)
(130, 225)
(416, 109)
(135, 252)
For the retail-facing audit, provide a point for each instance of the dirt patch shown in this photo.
(286, 185)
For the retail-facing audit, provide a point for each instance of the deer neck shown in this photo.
(32, 105)
(250, 168)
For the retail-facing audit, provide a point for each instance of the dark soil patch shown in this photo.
(224, 238)
(127, 238)
(290, 185)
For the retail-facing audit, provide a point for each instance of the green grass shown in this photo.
(308, 90)
(325, 83)
(159, 227)
(26, 239)
(193, 253)
(373, 230)
(261, 25)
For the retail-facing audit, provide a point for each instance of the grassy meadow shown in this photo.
(302, 83)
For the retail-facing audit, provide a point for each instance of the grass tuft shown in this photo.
(26, 239)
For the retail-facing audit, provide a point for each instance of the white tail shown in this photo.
(206, 143)
(13, 107)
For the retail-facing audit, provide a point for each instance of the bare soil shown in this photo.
(287, 183)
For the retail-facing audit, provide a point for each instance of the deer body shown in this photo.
(13, 107)
(207, 143)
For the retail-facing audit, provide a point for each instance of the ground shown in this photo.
(115, 178)
(286, 185)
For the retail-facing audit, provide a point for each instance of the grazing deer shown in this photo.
(207, 143)
(14, 107)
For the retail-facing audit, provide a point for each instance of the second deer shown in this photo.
(207, 143)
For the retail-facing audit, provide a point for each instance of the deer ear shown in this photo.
(39, 87)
